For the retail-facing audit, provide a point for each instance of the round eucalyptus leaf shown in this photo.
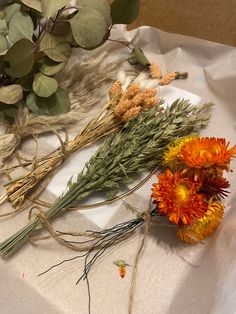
(43, 85)
(20, 26)
(102, 6)
(50, 67)
(50, 7)
(31, 103)
(56, 104)
(89, 27)
(26, 82)
(33, 4)
(8, 112)
(3, 27)
(124, 11)
(20, 58)
(11, 10)
(2, 15)
(11, 94)
(1, 64)
(3, 45)
(55, 47)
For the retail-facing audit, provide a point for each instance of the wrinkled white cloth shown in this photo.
(173, 278)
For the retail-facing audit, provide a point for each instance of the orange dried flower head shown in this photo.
(203, 227)
(155, 71)
(205, 153)
(215, 186)
(178, 197)
(171, 154)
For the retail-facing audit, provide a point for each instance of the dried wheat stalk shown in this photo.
(123, 106)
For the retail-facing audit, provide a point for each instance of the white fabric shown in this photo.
(173, 278)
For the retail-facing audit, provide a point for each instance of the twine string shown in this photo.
(146, 217)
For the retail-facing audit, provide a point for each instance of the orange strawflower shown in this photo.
(171, 154)
(215, 186)
(179, 198)
(204, 226)
(206, 153)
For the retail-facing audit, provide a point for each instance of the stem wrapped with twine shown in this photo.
(137, 147)
(123, 106)
(87, 81)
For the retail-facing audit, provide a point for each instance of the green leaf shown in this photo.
(34, 4)
(124, 11)
(3, 27)
(50, 67)
(43, 85)
(26, 82)
(138, 57)
(11, 94)
(8, 111)
(3, 45)
(1, 64)
(20, 26)
(55, 47)
(31, 103)
(2, 15)
(89, 27)
(11, 10)
(63, 29)
(102, 6)
(20, 58)
(50, 7)
(56, 104)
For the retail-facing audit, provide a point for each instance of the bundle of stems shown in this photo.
(137, 147)
(87, 80)
(123, 105)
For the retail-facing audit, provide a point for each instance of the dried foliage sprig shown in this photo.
(119, 160)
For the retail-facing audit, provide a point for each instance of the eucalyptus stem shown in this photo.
(137, 147)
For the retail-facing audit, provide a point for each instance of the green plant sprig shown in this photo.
(121, 158)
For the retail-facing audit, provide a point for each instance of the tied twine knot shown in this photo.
(37, 213)
(146, 216)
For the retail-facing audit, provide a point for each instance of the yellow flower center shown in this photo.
(182, 192)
